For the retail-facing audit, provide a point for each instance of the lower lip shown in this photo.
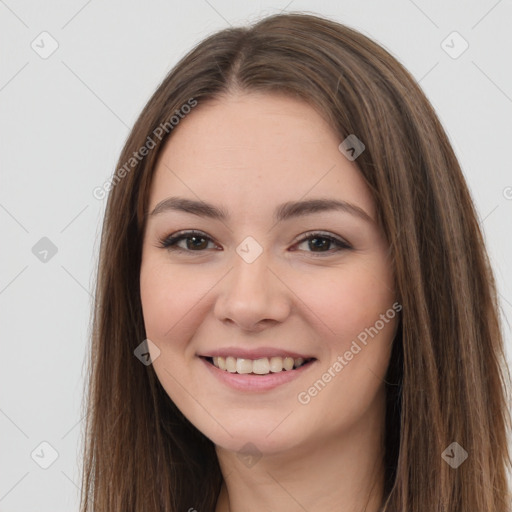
(251, 382)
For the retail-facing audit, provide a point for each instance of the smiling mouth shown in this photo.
(261, 366)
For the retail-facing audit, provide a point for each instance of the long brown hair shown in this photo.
(447, 381)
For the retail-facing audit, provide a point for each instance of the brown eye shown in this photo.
(321, 243)
(194, 242)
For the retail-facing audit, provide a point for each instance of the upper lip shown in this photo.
(256, 353)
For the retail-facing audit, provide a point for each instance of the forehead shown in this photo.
(254, 149)
(232, 126)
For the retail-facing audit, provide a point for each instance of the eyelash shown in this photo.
(170, 242)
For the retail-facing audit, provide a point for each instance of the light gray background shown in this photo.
(63, 122)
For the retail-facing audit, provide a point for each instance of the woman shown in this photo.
(236, 364)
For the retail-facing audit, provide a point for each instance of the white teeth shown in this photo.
(288, 363)
(231, 364)
(276, 364)
(243, 366)
(262, 366)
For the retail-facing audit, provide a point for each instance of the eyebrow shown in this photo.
(283, 212)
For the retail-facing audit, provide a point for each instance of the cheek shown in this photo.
(356, 308)
(171, 304)
(167, 297)
(348, 299)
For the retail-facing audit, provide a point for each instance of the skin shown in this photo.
(248, 153)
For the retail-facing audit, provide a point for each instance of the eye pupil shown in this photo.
(323, 242)
(194, 240)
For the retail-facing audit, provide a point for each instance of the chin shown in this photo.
(261, 437)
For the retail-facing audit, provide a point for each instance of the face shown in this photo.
(269, 257)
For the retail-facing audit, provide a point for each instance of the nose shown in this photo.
(252, 296)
